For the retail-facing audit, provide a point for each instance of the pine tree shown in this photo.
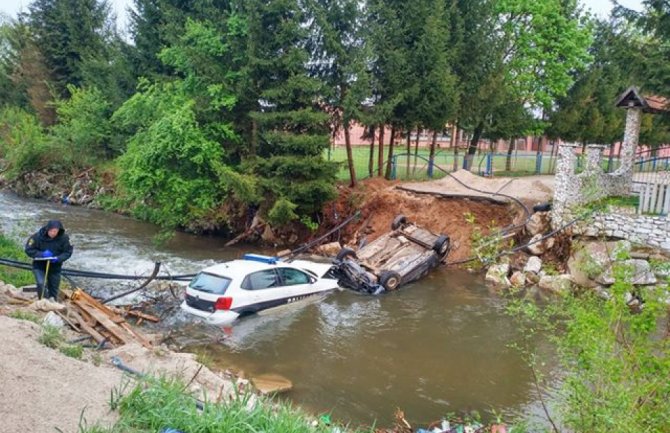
(286, 127)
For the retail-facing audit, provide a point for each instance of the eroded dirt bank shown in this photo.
(379, 202)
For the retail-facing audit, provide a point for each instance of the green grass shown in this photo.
(51, 336)
(25, 315)
(75, 351)
(522, 163)
(155, 404)
(17, 277)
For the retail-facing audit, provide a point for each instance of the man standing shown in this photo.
(49, 248)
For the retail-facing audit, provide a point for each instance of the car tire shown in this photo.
(398, 222)
(346, 253)
(441, 245)
(390, 280)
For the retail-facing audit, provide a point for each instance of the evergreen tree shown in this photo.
(339, 54)
(67, 33)
(286, 129)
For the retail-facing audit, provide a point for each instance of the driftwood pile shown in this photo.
(83, 313)
(103, 322)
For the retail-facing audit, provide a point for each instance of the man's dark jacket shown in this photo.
(40, 242)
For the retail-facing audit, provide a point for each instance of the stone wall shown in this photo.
(641, 229)
(572, 190)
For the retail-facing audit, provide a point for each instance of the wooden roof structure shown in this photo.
(632, 98)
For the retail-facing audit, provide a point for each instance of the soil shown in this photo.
(380, 201)
(42, 390)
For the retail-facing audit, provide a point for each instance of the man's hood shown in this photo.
(53, 224)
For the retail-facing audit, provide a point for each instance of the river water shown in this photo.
(438, 346)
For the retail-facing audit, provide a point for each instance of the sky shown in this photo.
(12, 7)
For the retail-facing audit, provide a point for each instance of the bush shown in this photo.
(23, 143)
(615, 358)
(84, 127)
(282, 212)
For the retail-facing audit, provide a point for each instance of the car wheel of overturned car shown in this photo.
(441, 245)
(346, 253)
(398, 222)
(390, 280)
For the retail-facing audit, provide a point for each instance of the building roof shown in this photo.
(649, 104)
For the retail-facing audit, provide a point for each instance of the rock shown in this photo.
(271, 383)
(53, 319)
(538, 223)
(556, 283)
(532, 278)
(518, 279)
(539, 248)
(497, 274)
(331, 249)
(591, 260)
(534, 264)
(268, 235)
(293, 239)
(640, 275)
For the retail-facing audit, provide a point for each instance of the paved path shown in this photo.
(529, 189)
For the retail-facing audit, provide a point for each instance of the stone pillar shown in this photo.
(630, 139)
(594, 153)
(565, 184)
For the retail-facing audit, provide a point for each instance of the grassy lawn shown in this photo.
(17, 277)
(522, 164)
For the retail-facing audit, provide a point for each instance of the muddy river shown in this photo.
(438, 346)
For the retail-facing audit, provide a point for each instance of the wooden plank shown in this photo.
(89, 329)
(105, 322)
(660, 201)
(138, 314)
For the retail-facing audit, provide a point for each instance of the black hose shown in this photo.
(316, 241)
(97, 275)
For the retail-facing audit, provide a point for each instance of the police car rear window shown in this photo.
(209, 283)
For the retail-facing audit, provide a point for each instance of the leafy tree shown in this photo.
(23, 144)
(176, 170)
(84, 126)
(587, 114)
(530, 50)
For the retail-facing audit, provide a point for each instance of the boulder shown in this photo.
(53, 319)
(539, 222)
(538, 247)
(518, 279)
(497, 274)
(556, 283)
(330, 249)
(590, 260)
(640, 273)
(271, 383)
(533, 265)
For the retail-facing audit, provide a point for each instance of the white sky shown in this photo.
(12, 7)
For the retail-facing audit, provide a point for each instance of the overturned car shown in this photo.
(406, 253)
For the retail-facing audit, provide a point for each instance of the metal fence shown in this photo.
(415, 164)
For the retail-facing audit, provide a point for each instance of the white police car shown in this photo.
(221, 293)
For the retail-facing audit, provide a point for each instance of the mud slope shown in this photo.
(379, 201)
